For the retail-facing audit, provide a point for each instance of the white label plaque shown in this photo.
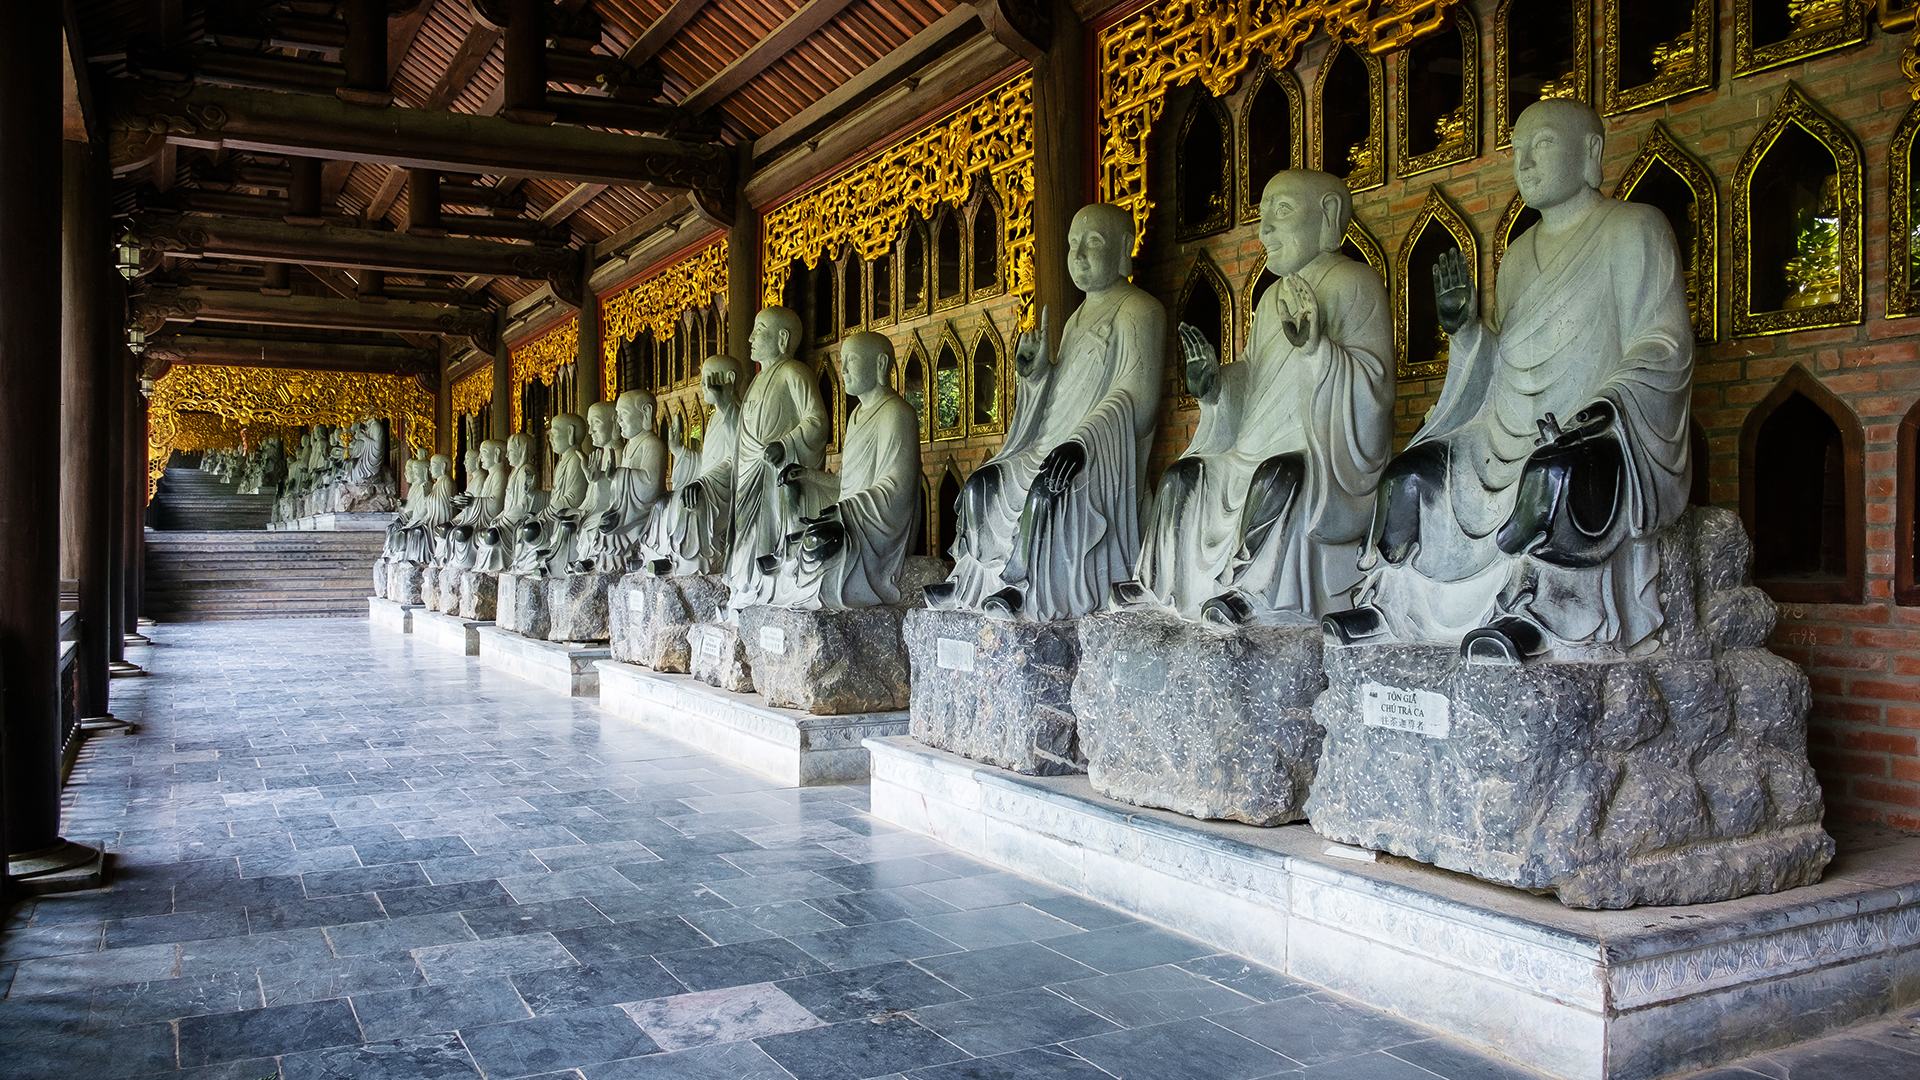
(1422, 712)
(774, 640)
(710, 644)
(637, 605)
(954, 654)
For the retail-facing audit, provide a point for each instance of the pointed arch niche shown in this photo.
(913, 386)
(833, 401)
(987, 406)
(1796, 223)
(1203, 169)
(1350, 118)
(987, 274)
(1272, 129)
(1802, 493)
(1419, 344)
(949, 387)
(1659, 49)
(1903, 199)
(1437, 97)
(1767, 34)
(1206, 303)
(1906, 581)
(1673, 181)
(1539, 51)
(915, 278)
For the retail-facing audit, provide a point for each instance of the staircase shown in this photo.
(188, 500)
(198, 576)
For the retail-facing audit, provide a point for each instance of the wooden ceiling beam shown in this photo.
(159, 305)
(655, 37)
(322, 354)
(564, 207)
(467, 59)
(214, 117)
(383, 198)
(797, 27)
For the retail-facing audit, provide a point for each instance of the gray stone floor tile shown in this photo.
(765, 960)
(503, 920)
(131, 1051)
(441, 1007)
(388, 935)
(1182, 1050)
(1149, 996)
(499, 956)
(983, 928)
(582, 986)
(1004, 1023)
(562, 884)
(170, 999)
(112, 967)
(27, 942)
(1257, 982)
(859, 1049)
(731, 925)
(798, 885)
(727, 1061)
(630, 940)
(339, 977)
(559, 1041)
(1127, 947)
(419, 1057)
(278, 1029)
(1318, 1028)
(869, 991)
(1033, 1063)
(733, 1014)
(457, 896)
(988, 890)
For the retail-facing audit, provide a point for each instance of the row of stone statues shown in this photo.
(336, 470)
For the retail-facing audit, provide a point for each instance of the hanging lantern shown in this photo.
(126, 253)
(146, 386)
(136, 340)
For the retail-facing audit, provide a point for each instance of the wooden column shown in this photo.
(1062, 161)
(365, 54)
(119, 374)
(524, 79)
(133, 518)
(502, 375)
(743, 267)
(30, 737)
(587, 387)
(86, 413)
(443, 408)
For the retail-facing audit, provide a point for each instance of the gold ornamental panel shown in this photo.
(657, 303)
(542, 358)
(256, 400)
(868, 205)
(1165, 44)
(1683, 65)
(1903, 247)
(1701, 263)
(1838, 256)
(1436, 210)
(1819, 26)
(473, 393)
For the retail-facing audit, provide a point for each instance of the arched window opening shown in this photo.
(986, 380)
(1203, 172)
(1540, 46)
(947, 416)
(1802, 493)
(913, 387)
(852, 273)
(882, 296)
(947, 259)
(1206, 305)
(826, 322)
(921, 543)
(1795, 214)
(830, 400)
(794, 296)
(1270, 129)
(913, 267)
(1439, 93)
(988, 240)
(1352, 116)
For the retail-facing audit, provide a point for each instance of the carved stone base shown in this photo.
(1681, 778)
(998, 692)
(577, 606)
(450, 632)
(478, 594)
(1187, 717)
(648, 617)
(521, 605)
(719, 658)
(562, 667)
(388, 615)
(405, 581)
(828, 663)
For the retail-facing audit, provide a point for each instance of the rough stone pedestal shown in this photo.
(430, 587)
(1680, 778)
(648, 617)
(828, 663)
(478, 594)
(380, 576)
(405, 581)
(1188, 717)
(998, 692)
(577, 606)
(521, 605)
(719, 658)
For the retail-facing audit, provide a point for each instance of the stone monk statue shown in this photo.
(1522, 517)
(1261, 519)
(611, 539)
(690, 535)
(782, 422)
(369, 451)
(544, 535)
(849, 554)
(1053, 520)
(520, 498)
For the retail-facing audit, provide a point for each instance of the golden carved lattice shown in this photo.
(657, 303)
(474, 392)
(1166, 44)
(255, 399)
(542, 358)
(867, 206)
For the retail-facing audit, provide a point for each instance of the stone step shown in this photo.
(203, 574)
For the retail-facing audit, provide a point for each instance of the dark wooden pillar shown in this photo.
(586, 360)
(524, 80)
(119, 375)
(303, 191)
(133, 518)
(365, 54)
(423, 202)
(30, 736)
(743, 266)
(502, 379)
(1062, 157)
(86, 414)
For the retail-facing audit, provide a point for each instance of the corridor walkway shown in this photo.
(342, 855)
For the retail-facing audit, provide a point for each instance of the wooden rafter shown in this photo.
(797, 27)
(662, 31)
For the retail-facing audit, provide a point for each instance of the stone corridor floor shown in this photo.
(342, 854)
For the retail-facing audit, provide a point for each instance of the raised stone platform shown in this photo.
(561, 667)
(336, 523)
(792, 747)
(449, 632)
(829, 663)
(998, 692)
(392, 615)
(1586, 995)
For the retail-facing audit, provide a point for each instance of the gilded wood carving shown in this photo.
(656, 304)
(1682, 66)
(541, 359)
(1902, 248)
(1818, 26)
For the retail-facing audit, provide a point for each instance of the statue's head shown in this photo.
(1100, 247)
(565, 432)
(602, 426)
(437, 465)
(415, 471)
(866, 362)
(519, 449)
(491, 451)
(473, 461)
(1303, 214)
(776, 336)
(1556, 151)
(720, 375)
(634, 409)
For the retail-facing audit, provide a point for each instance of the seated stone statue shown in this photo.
(1522, 518)
(1260, 520)
(367, 455)
(849, 554)
(453, 548)
(782, 423)
(1053, 520)
(415, 472)
(690, 534)
(610, 541)
(520, 498)
(544, 535)
(434, 510)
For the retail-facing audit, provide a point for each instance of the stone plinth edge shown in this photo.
(789, 746)
(449, 632)
(562, 668)
(391, 615)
